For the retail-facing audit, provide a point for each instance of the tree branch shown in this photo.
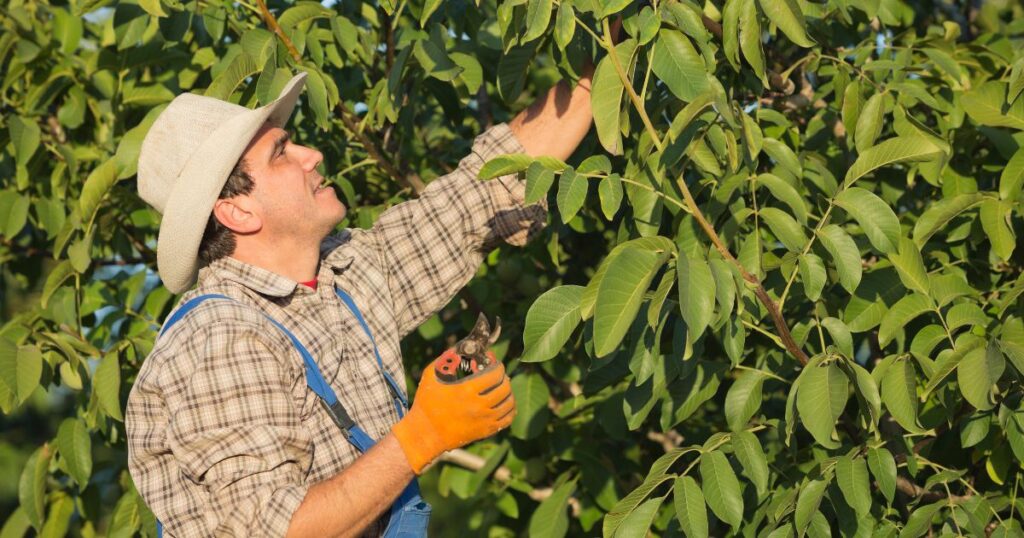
(468, 460)
(759, 291)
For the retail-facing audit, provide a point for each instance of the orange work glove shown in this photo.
(450, 415)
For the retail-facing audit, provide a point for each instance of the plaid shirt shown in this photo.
(224, 437)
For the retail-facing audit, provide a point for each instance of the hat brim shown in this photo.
(190, 203)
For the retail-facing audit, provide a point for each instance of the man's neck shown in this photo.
(298, 263)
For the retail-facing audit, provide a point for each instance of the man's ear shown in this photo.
(238, 215)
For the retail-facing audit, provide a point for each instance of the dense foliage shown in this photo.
(781, 288)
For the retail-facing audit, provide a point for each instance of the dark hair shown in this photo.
(219, 241)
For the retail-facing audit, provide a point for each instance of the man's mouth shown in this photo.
(321, 186)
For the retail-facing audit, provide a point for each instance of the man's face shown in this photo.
(293, 200)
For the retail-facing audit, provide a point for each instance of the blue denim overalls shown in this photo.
(409, 514)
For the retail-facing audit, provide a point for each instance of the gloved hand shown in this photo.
(450, 415)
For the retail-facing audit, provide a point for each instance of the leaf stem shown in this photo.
(807, 248)
(659, 193)
(762, 372)
(628, 85)
(761, 330)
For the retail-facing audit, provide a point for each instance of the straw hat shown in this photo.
(184, 163)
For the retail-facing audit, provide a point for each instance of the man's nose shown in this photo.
(312, 159)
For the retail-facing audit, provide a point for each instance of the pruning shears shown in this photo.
(469, 356)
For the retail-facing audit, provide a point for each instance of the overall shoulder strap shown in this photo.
(392, 384)
(189, 306)
(314, 378)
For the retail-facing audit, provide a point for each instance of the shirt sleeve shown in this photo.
(237, 434)
(429, 248)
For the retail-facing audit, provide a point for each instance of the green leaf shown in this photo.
(503, 165)
(538, 181)
(572, 193)
(754, 139)
(639, 521)
(920, 521)
(696, 294)
(995, 220)
(899, 393)
(75, 447)
(808, 503)
(743, 399)
(531, 394)
(96, 186)
(435, 60)
(619, 296)
(852, 477)
(787, 230)
(901, 313)
(317, 92)
(551, 520)
(784, 156)
(550, 322)
(937, 216)
(949, 362)
(866, 389)
(977, 372)
(241, 68)
(429, 7)
(622, 509)
(750, 39)
(869, 122)
(910, 266)
(883, 467)
(690, 509)
(823, 393)
(25, 134)
(609, 190)
(844, 254)
(785, 192)
(1011, 181)
(986, 105)
(106, 384)
(679, 65)
(786, 14)
(840, 334)
(62, 272)
(875, 217)
(813, 275)
(893, 150)
(731, 31)
(565, 24)
(67, 29)
(13, 213)
(721, 488)
(606, 97)
(512, 70)
(472, 74)
(750, 454)
(32, 485)
(302, 12)
(538, 15)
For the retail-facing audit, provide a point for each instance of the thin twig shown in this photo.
(698, 215)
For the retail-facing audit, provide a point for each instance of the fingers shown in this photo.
(499, 394)
(505, 406)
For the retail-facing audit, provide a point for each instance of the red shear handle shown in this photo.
(447, 366)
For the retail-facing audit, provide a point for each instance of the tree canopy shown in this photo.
(779, 294)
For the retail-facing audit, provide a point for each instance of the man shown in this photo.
(226, 433)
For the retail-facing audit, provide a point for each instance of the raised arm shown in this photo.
(555, 123)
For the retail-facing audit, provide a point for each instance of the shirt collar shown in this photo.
(251, 276)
